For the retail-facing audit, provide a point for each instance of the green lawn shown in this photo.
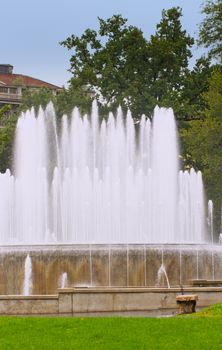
(213, 311)
(111, 333)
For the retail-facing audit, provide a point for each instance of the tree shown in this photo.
(202, 142)
(40, 97)
(66, 100)
(112, 70)
(4, 112)
(196, 83)
(118, 65)
(7, 132)
(170, 53)
(210, 35)
(213, 97)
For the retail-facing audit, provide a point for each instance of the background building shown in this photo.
(12, 86)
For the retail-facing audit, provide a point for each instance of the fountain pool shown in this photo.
(94, 202)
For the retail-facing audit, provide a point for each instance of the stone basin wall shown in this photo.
(106, 301)
(114, 266)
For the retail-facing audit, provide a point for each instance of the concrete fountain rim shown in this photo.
(120, 246)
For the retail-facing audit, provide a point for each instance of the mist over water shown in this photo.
(99, 182)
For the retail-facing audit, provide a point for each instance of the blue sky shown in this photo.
(30, 30)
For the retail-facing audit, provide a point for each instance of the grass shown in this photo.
(212, 311)
(112, 333)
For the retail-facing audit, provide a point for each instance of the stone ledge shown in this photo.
(71, 301)
(187, 297)
(28, 297)
(76, 290)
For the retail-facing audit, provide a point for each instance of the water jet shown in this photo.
(106, 202)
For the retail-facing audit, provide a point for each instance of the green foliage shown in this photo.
(4, 111)
(210, 35)
(7, 132)
(36, 98)
(7, 129)
(196, 83)
(213, 96)
(212, 311)
(170, 52)
(202, 143)
(64, 101)
(67, 99)
(118, 64)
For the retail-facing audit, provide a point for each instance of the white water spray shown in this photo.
(211, 220)
(162, 274)
(64, 280)
(99, 182)
(27, 286)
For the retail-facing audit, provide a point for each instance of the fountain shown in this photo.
(162, 274)
(27, 276)
(102, 200)
(97, 183)
(63, 280)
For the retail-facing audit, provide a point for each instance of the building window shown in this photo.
(3, 90)
(13, 90)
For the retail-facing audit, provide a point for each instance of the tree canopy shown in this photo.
(121, 67)
(202, 142)
(210, 35)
